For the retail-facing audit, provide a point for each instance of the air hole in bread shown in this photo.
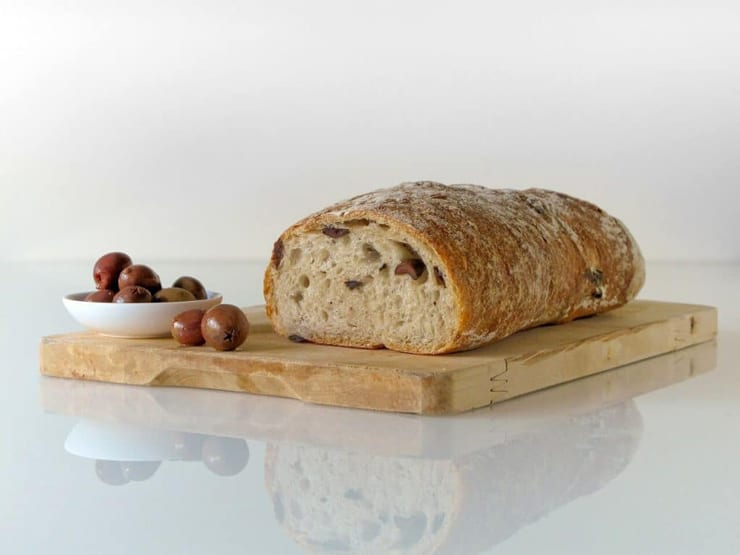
(323, 255)
(297, 296)
(295, 255)
(304, 281)
(358, 222)
(324, 315)
(371, 253)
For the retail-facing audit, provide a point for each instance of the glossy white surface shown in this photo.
(643, 459)
(132, 319)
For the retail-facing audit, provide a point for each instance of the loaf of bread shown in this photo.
(428, 268)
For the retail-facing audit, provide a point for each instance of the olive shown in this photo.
(173, 295)
(108, 267)
(225, 456)
(192, 285)
(224, 327)
(101, 296)
(185, 327)
(133, 294)
(140, 274)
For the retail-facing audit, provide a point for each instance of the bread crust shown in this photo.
(512, 259)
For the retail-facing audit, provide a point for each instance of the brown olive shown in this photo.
(108, 267)
(142, 275)
(224, 327)
(133, 294)
(185, 327)
(173, 295)
(192, 285)
(101, 296)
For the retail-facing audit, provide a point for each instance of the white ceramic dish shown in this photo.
(133, 320)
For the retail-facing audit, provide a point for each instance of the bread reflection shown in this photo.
(552, 448)
(343, 500)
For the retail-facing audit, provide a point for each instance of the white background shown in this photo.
(186, 129)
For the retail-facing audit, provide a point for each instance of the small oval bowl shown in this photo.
(133, 320)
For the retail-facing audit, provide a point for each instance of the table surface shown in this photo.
(644, 459)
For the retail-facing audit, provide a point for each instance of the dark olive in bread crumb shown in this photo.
(334, 232)
(411, 267)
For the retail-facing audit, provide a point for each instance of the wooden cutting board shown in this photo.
(385, 380)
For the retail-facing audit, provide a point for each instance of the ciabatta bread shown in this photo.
(429, 268)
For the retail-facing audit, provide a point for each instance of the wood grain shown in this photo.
(385, 380)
